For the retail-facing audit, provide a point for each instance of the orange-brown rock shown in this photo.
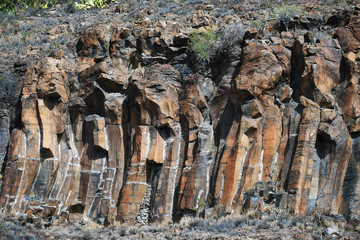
(131, 130)
(349, 37)
(259, 72)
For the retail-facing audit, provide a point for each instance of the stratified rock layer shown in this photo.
(130, 132)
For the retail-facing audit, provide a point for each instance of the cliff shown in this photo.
(127, 126)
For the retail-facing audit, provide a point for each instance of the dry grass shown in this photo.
(273, 224)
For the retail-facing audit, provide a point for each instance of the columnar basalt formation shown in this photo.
(130, 131)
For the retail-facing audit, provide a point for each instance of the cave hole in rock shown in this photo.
(324, 145)
(165, 132)
(95, 103)
(45, 153)
(109, 85)
(77, 208)
(52, 101)
(251, 132)
(100, 153)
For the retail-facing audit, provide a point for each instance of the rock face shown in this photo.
(4, 133)
(128, 131)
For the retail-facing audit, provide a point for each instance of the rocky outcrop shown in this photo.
(130, 131)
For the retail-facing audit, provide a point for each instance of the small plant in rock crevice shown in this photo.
(208, 43)
(202, 44)
(259, 24)
(286, 13)
(200, 204)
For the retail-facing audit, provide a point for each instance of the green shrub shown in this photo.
(207, 44)
(202, 44)
(93, 3)
(9, 6)
(286, 13)
(259, 24)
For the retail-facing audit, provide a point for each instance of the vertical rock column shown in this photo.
(333, 151)
(155, 146)
(197, 152)
(302, 166)
(94, 163)
(135, 185)
(163, 201)
(351, 186)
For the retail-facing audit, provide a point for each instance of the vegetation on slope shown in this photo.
(9, 6)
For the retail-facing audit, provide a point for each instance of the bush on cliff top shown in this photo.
(9, 6)
(93, 3)
(208, 43)
(286, 13)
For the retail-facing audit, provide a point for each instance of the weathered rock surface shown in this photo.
(128, 131)
(4, 133)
